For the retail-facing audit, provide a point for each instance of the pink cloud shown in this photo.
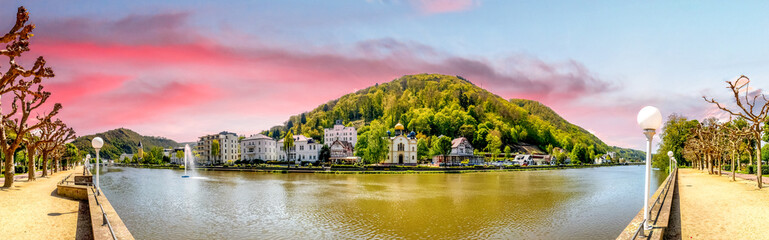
(195, 85)
(444, 6)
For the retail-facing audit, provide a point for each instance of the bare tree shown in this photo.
(55, 135)
(738, 132)
(749, 109)
(18, 121)
(17, 40)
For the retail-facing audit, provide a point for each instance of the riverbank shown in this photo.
(379, 169)
(33, 210)
(714, 207)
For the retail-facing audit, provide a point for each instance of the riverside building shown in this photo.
(305, 150)
(229, 149)
(259, 147)
(340, 133)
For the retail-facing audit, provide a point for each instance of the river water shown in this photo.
(588, 203)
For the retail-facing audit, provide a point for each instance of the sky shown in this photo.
(183, 69)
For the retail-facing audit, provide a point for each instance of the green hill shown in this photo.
(434, 104)
(121, 140)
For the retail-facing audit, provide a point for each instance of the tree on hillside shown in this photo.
(507, 152)
(288, 145)
(579, 154)
(216, 150)
(494, 143)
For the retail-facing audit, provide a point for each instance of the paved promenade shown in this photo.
(32, 210)
(715, 207)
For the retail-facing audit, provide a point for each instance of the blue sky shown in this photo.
(627, 54)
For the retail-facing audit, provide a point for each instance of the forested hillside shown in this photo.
(121, 140)
(434, 105)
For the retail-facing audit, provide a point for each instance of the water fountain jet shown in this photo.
(189, 160)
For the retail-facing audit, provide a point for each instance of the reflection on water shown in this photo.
(592, 203)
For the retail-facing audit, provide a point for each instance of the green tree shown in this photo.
(180, 156)
(507, 152)
(71, 153)
(423, 150)
(579, 154)
(494, 141)
(156, 153)
(674, 134)
(467, 131)
(325, 154)
(560, 157)
(288, 145)
(216, 149)
(377, 142)
(441, 146)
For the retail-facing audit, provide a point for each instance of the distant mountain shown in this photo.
(122, 140)
(434, 104)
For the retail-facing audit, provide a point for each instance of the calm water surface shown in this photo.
(591, 203)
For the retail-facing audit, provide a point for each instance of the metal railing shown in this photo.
(65, 179)
(664, 192)
(105, 221)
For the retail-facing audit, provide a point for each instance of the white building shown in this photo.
(259, 147)
(229, 149)
(403, 148)
(171, 153)
(304, 150)
(341, 133)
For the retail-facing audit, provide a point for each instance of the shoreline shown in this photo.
(382, 169)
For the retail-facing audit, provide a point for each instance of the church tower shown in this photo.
(141, 151)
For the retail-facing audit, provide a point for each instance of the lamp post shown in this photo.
(97, 142)
(649, 119)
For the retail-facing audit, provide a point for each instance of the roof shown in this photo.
(299, 138)
(345, 144)
(399, 126)
(457, 141)
(257, 136)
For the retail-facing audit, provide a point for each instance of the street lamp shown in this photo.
(670, 162)
(650, 119)
(97, 142)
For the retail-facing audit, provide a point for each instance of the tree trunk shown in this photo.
(733, 169)
(710, 164)
(55, 165)
(720, 164)
(31, 161)
(45, 164)
(9, 169)
(758, 160)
